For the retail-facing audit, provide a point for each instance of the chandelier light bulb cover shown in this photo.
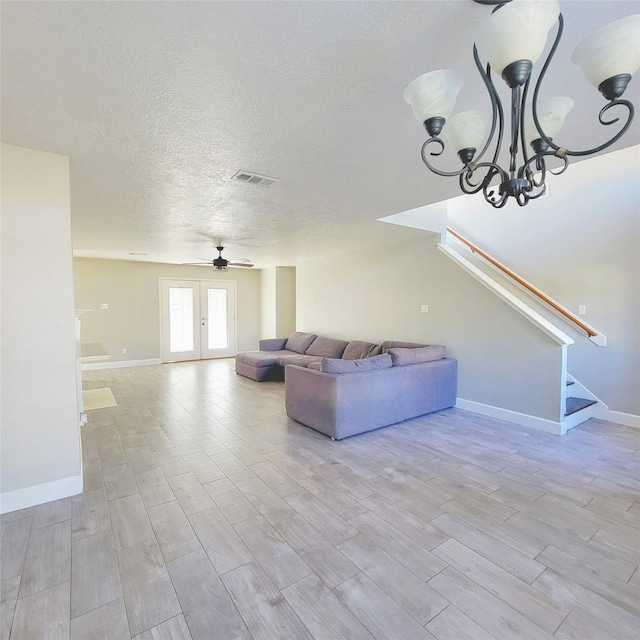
(512, 40)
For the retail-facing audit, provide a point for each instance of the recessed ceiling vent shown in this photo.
(254, 178)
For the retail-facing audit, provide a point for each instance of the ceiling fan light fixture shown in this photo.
(513, 39)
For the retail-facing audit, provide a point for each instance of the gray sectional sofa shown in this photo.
(343, 388)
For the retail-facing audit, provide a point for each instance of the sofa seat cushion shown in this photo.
(261, 358)
(327, 348)
(297, 359)
(299, 342)
(357, 349)
(333, 365)
(401, 357)
(316, 366)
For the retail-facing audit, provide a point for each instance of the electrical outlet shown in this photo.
(104, 306)
(124, 352)
(424, 308)
(582, 309)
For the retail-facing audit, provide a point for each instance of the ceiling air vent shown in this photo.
(254, 178)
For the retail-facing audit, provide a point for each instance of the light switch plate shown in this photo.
(104, 306)
(424, 308)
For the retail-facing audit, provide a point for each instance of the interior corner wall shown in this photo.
(285, 301)
(132, 291)
(277, 302)
(268, 303)
(40, 441)
(376, 294)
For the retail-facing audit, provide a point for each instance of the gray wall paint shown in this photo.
(131, 289)
(580, 246)
(376, 295)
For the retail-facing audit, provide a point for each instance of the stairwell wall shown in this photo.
(376, 294)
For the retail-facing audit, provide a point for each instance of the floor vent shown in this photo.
(254, 178)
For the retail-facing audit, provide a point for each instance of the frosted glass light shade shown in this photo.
(517, 31)
(612, 50)
(551, 115)
(467, 130)
(433, 95)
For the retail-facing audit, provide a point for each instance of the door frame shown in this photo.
(234, 309)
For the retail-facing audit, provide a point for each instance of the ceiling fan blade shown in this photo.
(240, 260)
(197, 264)
(239, 264)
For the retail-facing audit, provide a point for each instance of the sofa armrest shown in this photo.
(273, 344)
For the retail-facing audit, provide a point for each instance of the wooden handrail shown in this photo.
(523, 283)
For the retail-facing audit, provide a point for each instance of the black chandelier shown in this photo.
(512, 40)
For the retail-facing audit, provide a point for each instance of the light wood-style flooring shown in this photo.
(207, 514)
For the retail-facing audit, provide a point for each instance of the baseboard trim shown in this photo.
(32, 496)
(119, 364)
(523, 419)
(626, 419)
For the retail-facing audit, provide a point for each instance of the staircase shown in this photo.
(578, 409)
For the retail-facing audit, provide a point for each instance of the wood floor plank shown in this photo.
(48, 560)
(321, 611)
(223, 545)
(140, 458)
(154, 488)
(95, 580)
(233, 504)
(381, 615)
(485, 609)
(409, 591)
(171, 462)
(588, 605)
(203, 467)
(14, 540)
(323, 519)
(279, 481)
(205, 602)
(270, 505)
(9, 595)
(131, 524)
(52, 513)
(190, 493)
(576, 628)
(148, 592)
(266, 613)
(89, 514)
(119, 481)
(452, 624)
(173, 531)
(44, 614)
(416, 558)
(108, 621)
(324, 559)
(497, 552)
(282, 564)
(172, 629)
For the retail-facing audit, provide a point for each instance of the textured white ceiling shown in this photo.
(158, 104)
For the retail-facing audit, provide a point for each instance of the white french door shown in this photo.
(198, 319)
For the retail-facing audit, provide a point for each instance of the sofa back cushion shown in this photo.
(332, 365)
(404, 356)
(397, 344)
(326, 348)
(357, 349)
(299, 341)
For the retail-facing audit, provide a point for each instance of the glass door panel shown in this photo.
(180, 319)
(218, 322)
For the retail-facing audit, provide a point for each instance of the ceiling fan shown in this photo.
(220, 263)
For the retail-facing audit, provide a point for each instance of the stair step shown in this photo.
(570, 382)
(576, 404)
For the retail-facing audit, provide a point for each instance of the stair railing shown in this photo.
(593, 335)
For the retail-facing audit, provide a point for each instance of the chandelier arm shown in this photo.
(543, 71)
(496, 106)
(435, 154)
(613, 103)
(470, 188)
(540, 164)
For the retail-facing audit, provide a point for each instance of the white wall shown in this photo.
(40, 434)
(131, 289)
(376, 295)
(581, 246)
(268, 304)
